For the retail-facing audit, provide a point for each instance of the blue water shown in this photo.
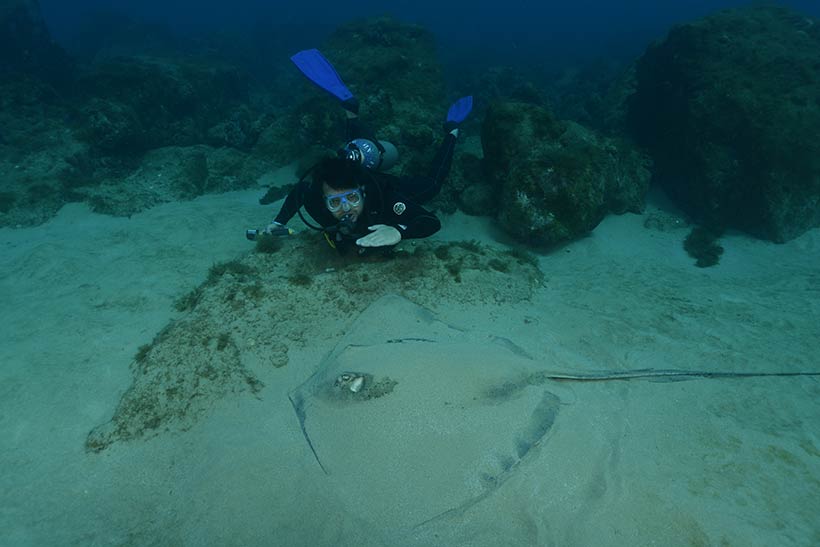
(550, 33)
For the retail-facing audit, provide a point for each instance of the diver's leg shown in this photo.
(423, 189)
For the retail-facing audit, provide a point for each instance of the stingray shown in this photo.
(411, 419)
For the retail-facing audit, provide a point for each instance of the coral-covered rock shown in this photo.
(112, 126)
(729, 108)
(392, 67)
(38, 152)
(473, 193)
(173, 173)
(557, 180)
(240, 130)
(139, 103)
(594, 95)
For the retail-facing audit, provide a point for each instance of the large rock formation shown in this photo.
(36, 148)
(139, 103)
(394, 70)
(728, 107)
(554, 181)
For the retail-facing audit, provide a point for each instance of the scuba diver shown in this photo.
(355, 204)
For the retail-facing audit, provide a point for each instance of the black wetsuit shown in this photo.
(395, 201)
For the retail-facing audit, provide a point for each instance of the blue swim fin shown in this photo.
(460, 109)
(319, 71)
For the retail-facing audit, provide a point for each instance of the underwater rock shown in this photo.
(393, 60)
(504, 83)
(112, 126)
(594, 94)
(727, 107)
(478, 199)
(557, 180)
(41, 160)
(173, 173)
(135, 104)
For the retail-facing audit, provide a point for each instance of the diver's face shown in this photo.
(349, 201)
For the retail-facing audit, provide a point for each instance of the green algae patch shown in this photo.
(240, 324)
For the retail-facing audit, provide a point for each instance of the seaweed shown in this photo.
(702, 245)
(195, 174)
(471, 246)
(142, 353)
(255, 291)
(233, 267)
(222, 341)
(454, 268)
(442, 252)
(523, 256)
(266, 243)
(498, 265)
(300, 280)
(189, 300)
(7, 200)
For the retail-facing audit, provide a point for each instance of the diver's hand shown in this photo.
(382, 236)
(277, 229)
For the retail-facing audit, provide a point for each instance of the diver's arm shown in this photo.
(355, 129)
(292, 203)
(422, 225)
(412, 220)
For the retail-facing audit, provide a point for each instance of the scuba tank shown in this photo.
(371, 154)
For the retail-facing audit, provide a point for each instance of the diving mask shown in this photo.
(344, 200)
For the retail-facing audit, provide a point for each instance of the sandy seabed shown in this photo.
(696, 462)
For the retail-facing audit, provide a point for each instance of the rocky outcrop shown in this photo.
(170, 174)
(553, 180)
(140, 103)
(728, 108)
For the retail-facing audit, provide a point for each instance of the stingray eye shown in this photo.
(357, 384)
